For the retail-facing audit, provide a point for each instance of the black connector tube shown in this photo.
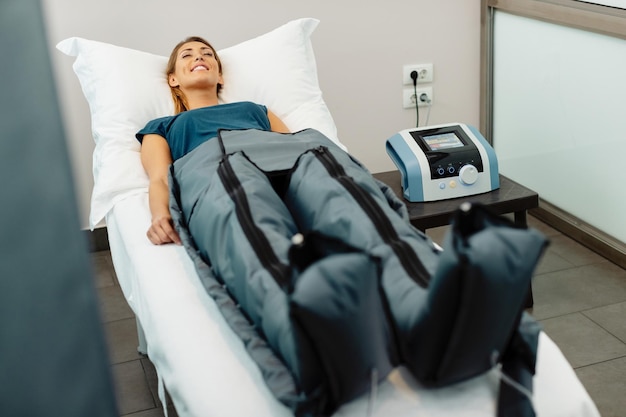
(417, 110)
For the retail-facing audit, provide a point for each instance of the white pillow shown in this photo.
(126, 88)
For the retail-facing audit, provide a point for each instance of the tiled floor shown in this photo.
(134, 376)
(580, 299)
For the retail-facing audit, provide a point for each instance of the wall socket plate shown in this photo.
(424, 73)
(408, 97)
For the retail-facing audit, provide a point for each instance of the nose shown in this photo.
(198, 57)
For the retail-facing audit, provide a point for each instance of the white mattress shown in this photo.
(207, 371)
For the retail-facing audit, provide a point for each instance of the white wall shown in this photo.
(613, 3)
(360, 49)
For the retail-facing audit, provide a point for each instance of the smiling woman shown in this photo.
(189, 55)
(194, 75)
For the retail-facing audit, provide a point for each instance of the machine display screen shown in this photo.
(443, 141)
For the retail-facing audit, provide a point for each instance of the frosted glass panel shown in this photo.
(560, 117)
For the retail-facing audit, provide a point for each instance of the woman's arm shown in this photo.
(276, 124)
(156, 159)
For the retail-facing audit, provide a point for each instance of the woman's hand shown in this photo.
(162, 231)
(156, 158)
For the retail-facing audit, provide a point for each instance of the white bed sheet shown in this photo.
(207, 371)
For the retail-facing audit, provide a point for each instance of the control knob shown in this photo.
(468, 174)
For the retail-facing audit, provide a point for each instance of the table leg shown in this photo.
(520, 220)
(530, 301)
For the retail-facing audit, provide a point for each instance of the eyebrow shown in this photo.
(204, 48)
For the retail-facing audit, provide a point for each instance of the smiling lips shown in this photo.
(200, 68)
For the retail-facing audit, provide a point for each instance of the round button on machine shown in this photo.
(468, 174)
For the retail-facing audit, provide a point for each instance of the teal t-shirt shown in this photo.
(185, 131)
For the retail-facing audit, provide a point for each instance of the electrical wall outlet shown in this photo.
(424, 73)
(424, 97)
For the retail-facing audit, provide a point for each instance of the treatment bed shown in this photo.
(208, 372)
(199, 359)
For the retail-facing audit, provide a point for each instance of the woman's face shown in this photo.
(196, 67)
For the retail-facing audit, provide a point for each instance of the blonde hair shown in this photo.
(180, 101)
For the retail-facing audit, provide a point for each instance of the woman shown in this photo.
(194, 74)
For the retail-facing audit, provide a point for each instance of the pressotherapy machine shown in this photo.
(444, 161)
